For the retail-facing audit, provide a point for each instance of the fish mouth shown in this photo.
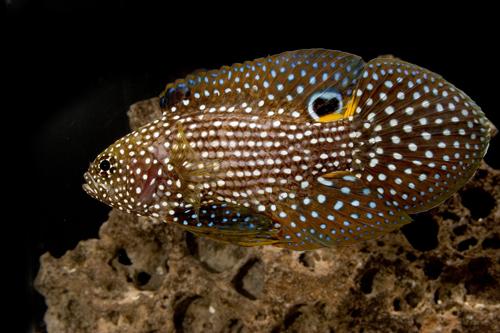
(88, 189)
(492, 129)
(91, 190)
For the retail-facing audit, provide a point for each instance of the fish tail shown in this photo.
(419, 138)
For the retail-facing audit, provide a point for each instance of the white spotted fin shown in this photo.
(303, 85)
(339, 209)
(419, 138)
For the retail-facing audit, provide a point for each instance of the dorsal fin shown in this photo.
(282, 84)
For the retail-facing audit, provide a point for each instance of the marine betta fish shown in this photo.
(302, 150)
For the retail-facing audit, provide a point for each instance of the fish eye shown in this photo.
(324, 102)
(174, 95)
(105, 165)
(163, 102)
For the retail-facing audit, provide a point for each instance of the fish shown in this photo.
(301, 150)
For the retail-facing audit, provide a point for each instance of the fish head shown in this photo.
(128, 174)
(105, 178)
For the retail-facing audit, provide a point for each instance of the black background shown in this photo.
(72, 70)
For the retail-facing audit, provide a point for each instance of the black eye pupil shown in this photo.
(104, 165)
(174, 95)
(323, 106)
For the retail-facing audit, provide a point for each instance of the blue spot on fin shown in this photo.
(333, 216)
(229, 223)
(291, 79)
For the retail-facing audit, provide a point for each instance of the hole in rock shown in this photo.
(479, 278)
(249, 279)
(355, 313)
(123, 258)
(396, 304)
(481, 173)
(466, 244)
(436, 296)
(167, 267)
(306, 260)
(142, 278)
(479, 202)
(422, 232)
(491, 242)
(180, 312)
(292, 315)
(460, 230)
(191, 244)
(433, 268)
(234, 325)
(411, 257)
(366, 282)
(412, 299)
(450, 216)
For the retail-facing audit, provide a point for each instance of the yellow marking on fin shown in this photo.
(351, 107)
(258, 242)
(247, 239)
(331, 117)
(336, 174)
(190, 169)
(349, 111)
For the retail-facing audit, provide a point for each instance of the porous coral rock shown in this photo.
(440, 273)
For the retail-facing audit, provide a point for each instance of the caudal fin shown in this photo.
(419, 137)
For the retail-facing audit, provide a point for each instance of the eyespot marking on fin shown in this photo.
(324, 103)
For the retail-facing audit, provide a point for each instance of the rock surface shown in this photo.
(440, 273)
